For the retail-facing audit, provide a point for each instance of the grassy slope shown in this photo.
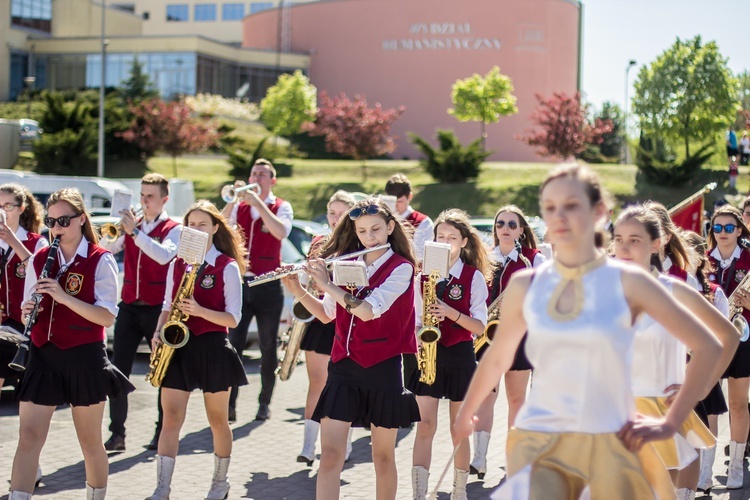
(313, 181)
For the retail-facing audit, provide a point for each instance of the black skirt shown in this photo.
(740, 364)
(714, 404)
(79, 376)
(367, 396)
(454, 368)
(319, 337)
(8, 351)
(207, 362)
(520, 361)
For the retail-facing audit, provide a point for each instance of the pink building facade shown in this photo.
(410, 52)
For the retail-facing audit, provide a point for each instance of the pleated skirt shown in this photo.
(319, 337)
(454, 366)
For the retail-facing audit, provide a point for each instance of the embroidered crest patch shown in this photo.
(456, 292)
(73, 284)
(739, 275)
(21, 270)
(208, 281)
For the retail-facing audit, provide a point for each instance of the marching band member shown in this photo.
(374, 327)
(732, 263)
(576, 426)
(461, 309)
(659, 359)
(207, 361)
(19, 240)
(400, 187)
(510, 227)
(318, 340)
(265, 220)
(67, 360)
(678, 258)
(149, 244)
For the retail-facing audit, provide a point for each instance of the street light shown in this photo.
(102, 84)
(29, 81)
(625, 148)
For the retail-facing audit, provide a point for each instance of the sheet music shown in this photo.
(193, 246)
(350, 273)
(390, 201)
(122, 200)
(437, 257)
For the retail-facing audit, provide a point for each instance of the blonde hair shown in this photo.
(342, 196)
(74, 198)
(226, 240)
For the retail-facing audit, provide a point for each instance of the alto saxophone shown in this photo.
(429, 334)
(174, 333)
(290, 342)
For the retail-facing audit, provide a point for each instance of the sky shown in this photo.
(616, 31)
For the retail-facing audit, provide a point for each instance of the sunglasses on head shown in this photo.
(63, 220)
(512, 225)
(356, 213)
(729, 228)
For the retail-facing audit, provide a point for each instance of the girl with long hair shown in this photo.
(577, 427)
(659, 359)
(461, 309)
(207, 361)
(374, 327)
(510, 232)
(678, 259)
(318, 340)
(67, 358)
(732, 262)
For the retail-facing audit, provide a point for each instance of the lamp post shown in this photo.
(29, 81)
(625, 149)
(102, 84)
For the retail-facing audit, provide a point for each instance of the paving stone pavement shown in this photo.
(263, 463)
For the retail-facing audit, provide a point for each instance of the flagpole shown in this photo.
(690, 199)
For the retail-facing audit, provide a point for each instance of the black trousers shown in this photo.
(133, 324)
(264, 303)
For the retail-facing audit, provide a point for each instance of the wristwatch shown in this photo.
(135, 233)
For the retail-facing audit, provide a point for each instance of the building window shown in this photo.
(232, 11)
(32, 14)
(205, 12)
(260, 6)
(178, 13)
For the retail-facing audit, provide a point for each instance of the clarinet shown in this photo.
(19, 361)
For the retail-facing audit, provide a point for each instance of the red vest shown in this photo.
(371, 342)
(59, 324)
(264, 249)
(209, 292)
(678, 273)
(415, 218)
(741, 268)
(145, 279)
(14, 276)
(457, 295)
(500, 279)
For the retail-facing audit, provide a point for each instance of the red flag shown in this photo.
(689, 215)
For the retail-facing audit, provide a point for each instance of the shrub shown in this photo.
(658, 164)
(451, 161)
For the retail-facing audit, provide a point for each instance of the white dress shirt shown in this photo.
(161, 252)
(479, 293)
(422, 233)
(382, 297)
(498, 256)
(105, 278)
(285, 213)
(232, 285)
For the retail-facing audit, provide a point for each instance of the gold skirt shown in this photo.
(677, 452)
(558, 466)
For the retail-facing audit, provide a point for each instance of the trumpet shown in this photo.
(229, 192)
(111, 232)
(299, 268)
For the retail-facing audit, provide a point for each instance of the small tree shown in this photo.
(351, 128)
(564, 129)
(743, 115)
(169, 127)
(483, 99)
(289, 104)
(139, 86)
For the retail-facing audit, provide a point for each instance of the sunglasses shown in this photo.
(729, 228)
(356, 213)
(512, 225)
(63, 220)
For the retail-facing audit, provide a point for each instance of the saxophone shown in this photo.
(429, 334)
(174, 334)
(290, 342)
(493, 311)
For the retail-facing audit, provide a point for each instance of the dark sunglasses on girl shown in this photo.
(356, 213)
(729, 228)
(63, 220)
(512, 225)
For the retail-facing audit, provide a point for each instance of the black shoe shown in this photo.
(264, 413)
(116, 442)
(232, 414)
(154, 444)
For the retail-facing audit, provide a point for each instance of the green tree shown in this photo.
(687, 94)
(743, 115)
(289, 104)
(483, 99)
(139, 86)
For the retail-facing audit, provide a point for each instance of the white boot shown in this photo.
(164, 471)
(685, 494)
(419, 476)
(706, 479)
(19, 495)
(95, 493)
(219, 484)
(459, 484)
(38, 476)
(308, 447)
(735, 475)
(479, 463)
(348, 445)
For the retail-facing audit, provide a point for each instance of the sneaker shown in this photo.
(154, 444)
(115, 442)
(264, 413)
